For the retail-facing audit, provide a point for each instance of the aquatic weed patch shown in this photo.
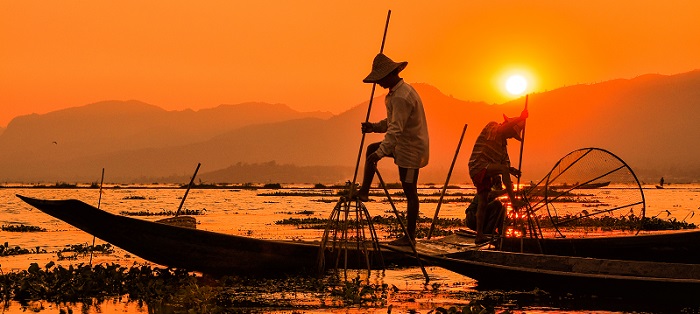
(22, 228)
(83, 249)
(7, 250)
(185, 212)
(85, 283)
(175, 291)
(387, 223)
(623, 223)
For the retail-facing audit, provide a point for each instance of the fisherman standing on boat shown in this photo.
(405, 139)
(489, 159)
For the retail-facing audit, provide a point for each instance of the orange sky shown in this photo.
(312, 55)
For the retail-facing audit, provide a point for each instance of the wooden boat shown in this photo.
(562, 274)
(199, 250)
(662, 246)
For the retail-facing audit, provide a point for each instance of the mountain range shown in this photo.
(648, 121)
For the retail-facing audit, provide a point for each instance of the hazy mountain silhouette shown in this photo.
(647, 121)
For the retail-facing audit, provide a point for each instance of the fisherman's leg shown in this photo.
(482, 182)
(508, 183)
(409, 182)
(370, 169)
(482, 199)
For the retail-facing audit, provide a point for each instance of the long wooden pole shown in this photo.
(522, 144)
(517, 184)
(403, 227)
(369, 110)
(447, 181)
(520, 166)
(99, 201)
(189, 186)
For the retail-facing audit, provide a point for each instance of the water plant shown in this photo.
(7, 250)
(22, 228)
(186, 212)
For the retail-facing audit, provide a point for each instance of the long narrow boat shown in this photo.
(199, 250)
(563, 274)
(663, 246)
(678, 246)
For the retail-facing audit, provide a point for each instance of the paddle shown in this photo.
(447, 181)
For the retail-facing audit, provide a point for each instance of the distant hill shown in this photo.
(647, 121)
(2, 130)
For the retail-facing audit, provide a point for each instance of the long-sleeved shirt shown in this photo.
(406, 128)
(490, 148)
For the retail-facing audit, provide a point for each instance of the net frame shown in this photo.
(546, 193)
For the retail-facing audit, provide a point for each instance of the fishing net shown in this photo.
(589, 191)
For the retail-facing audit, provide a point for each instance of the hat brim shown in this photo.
(516, 130)
(376, 76)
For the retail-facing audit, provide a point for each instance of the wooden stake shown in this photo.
(447, 181)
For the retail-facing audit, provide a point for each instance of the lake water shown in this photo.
(247, 212)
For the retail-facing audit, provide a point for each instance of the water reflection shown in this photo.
(246, 212)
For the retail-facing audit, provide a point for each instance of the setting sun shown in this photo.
(516, 84)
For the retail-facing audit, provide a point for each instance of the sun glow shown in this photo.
(516, 84)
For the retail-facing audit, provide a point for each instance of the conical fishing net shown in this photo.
(590, 191)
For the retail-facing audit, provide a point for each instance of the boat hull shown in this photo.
(199, 250)
(564, 274)
(675, 246)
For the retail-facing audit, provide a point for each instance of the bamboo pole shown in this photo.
(447, 181)
(369, 110)
(189, 186)
(99, 201)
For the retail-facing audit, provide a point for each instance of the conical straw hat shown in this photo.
(381, 67)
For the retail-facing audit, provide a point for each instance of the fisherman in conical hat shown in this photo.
(489, 159)
(405, 139)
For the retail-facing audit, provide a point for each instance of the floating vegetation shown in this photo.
(86, 249)
(7, 250)
(83, 249)
(176, 291)
(186, 212)
(304, 223)
(447, 200)
(388, 223)
(57, 284)
(296, 193)
(623, 223)
(272, 186)
(303, 212)
(134, 197)
(22, 228)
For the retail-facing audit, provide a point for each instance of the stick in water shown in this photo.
(447, 181)
(189, 186)
(99, 201)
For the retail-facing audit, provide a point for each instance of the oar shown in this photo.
(99, 201)
(369, 110)
(189, 186)
(447, 181)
